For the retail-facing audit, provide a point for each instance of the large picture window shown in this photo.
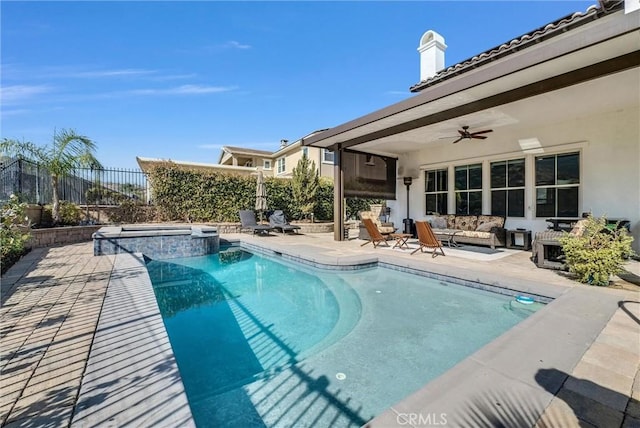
(436, 187)
(557, 185)
(507, 188)
(468, 189)
(281, 166)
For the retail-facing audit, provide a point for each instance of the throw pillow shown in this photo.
(486, 227)
(439, 223)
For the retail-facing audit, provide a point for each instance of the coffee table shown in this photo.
(448, 236)
(401, 239)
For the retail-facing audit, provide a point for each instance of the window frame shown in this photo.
(437, 192)
(468, 191)
(266, 164)
(324, 156)
(281, 165)
(557, 187)
(507, 188)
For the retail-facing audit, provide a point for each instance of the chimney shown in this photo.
(431, 50)
(283, 143)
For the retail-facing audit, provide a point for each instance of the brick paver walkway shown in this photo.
(51, 303)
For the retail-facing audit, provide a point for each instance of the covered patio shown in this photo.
(569, 88)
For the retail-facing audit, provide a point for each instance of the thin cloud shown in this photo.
(127, 72)
(236, 45)
(18, 93)
(184, 90)
(16, 112)
(217, 48)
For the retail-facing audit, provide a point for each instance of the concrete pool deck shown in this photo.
(574, 363)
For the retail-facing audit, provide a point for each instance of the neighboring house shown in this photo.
(563, 106)
(282, 162)
(242, 161)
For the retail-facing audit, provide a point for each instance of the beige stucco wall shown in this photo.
(609, 146)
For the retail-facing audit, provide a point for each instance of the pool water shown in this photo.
(263, 342)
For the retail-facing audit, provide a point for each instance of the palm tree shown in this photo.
(68, 151)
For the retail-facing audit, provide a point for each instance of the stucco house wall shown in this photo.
(609, 147)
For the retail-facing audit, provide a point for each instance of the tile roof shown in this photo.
(552, 29)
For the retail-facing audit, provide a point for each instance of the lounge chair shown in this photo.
(375, 237)
(248, 221)
(278, 220)
(427, 239)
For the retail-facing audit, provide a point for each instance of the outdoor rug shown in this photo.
(471, 252)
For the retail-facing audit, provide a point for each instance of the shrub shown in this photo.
(207, 196)
(13, 232)
(70, 213)
(598, 253)
(131, 211)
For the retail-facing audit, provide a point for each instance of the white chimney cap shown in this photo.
(431, 51)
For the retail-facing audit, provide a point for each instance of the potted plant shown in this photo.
(598, 253)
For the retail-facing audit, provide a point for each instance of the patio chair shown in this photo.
(278, 220)
(427, 239)
(375, 237)
(248, 221)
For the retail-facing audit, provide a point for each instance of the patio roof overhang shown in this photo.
(544, 82)
(554, 80)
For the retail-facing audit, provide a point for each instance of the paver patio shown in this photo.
(52, 299)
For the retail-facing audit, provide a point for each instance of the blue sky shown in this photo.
(178, 80)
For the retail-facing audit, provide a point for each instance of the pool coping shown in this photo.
(520, 371)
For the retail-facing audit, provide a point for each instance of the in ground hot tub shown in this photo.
(157, 242)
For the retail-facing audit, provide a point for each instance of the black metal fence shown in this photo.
(106, 186)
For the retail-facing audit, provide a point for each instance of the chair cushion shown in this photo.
(579, 228)
(487, 226)
(498, 219)
(451, 221)
(466, 222)
(439, 223)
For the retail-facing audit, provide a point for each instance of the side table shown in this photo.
(526, 239)
(401, 239)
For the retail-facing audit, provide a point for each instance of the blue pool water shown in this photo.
(262, 342)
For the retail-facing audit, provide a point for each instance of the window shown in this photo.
(281, 165)
(267, 164)
(305, 151)
(557, 185)
(327, 156)
(436, 186)
(468, 189)
(507, 188)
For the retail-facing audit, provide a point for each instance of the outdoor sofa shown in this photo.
(472, 229)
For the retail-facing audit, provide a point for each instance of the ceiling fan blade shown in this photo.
(479, 137)
(482, 132)
(459, 139)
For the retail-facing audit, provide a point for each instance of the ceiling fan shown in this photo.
(464, 133)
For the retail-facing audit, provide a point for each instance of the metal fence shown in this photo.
(105, 186)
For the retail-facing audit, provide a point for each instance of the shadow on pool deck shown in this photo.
(52, 298)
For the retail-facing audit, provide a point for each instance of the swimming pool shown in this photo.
(264, 342)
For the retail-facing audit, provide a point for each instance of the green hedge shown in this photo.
(202, 196)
